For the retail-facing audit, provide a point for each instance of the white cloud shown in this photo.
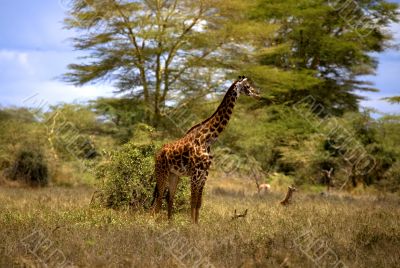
(30, 72)
(21, 59)
(55, 91)
(46, 93)
(10, 55)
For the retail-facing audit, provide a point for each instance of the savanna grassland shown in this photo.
(76, 179)
(57, 225)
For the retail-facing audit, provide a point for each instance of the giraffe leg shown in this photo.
(162, 175)
(201, 165)
(159, 191)
(172, 185)
(199, 199)
(158, 201)
(197, 185)
(193, 201)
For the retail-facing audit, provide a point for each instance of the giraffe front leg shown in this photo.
(199, 198)
(193, 201)
(197, 185)
(172, 185)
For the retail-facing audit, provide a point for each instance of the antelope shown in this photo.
(261, 188)
(288, 196)
(328, 178)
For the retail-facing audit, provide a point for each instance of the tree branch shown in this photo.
(140, 64)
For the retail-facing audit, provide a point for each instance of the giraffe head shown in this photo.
(243, 86)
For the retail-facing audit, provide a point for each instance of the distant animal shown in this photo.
(264, 188)
(190, 155)
(238, 215)
(288, 197)
(327, 178)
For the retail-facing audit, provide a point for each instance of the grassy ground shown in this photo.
(56, 226)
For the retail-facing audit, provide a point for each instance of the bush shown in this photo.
(128, 180)
(30, 167)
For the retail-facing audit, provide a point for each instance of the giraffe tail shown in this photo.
(156, 193)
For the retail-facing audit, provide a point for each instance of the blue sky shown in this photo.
(34, 51)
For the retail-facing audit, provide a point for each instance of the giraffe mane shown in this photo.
(216, 110)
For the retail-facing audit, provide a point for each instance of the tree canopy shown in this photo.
(163, 51)
(323, 48)
(151, 50)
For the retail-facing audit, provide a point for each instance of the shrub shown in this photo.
(30, 167)
(128, 180)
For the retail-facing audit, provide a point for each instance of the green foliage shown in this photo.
(264, 133)
(299, 144)
(22, 115)
(120, 116)
(127, 177)
(70, 129)
(79, 115)
(322, 48)
(30, 167)
(128, 180)
(279, 181)
(19, 130)
(391, 183)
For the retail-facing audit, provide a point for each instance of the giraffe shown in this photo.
(190, 155)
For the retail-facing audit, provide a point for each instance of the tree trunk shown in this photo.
(157, 114)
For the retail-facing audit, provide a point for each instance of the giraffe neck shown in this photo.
(211, 128)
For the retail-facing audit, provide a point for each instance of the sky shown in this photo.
(35, 50)
(34, 53)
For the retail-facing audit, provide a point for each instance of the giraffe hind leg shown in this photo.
(159, 190)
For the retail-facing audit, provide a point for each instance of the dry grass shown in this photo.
(360, 231)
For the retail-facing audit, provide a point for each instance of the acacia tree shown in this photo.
(150, 49)
(323, 48)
